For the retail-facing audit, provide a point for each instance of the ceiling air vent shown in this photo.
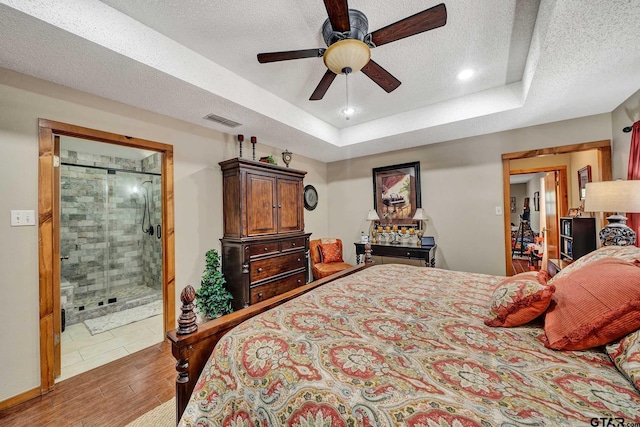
(222, 120)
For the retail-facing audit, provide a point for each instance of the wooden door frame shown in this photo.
(49, 234)
(604, 164)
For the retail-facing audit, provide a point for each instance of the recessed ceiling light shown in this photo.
(465, 74)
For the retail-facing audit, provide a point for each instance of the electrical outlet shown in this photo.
(21, 218)
(498, 210)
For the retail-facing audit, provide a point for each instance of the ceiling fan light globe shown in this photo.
(347, 53)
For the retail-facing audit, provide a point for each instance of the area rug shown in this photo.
(160, 416)
(124, 317)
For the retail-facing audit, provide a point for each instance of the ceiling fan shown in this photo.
(348, 43)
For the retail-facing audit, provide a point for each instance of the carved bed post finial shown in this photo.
(368, 259)
(187, 320)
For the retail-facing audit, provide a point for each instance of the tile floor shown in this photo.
(82, 351)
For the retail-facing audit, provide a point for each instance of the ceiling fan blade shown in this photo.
(338, 11)
(290, 54)
(323, 86)
(382, 77)
(420, 22)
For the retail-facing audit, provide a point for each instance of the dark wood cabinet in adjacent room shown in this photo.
(577, 237)
(265, 248)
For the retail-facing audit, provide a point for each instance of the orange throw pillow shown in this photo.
(519, 299)
(331, 252)
(594, 305)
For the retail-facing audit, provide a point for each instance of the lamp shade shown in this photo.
(612, 196)
(420, 215)
(372, 215)
(348, 53)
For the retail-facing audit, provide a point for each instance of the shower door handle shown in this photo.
(64, 257)
(159, 231)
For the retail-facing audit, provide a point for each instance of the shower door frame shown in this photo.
(49, 235)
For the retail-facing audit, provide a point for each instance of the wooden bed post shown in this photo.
(191, 344)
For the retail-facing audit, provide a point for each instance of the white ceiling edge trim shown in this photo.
(479, 104)
(115, 30)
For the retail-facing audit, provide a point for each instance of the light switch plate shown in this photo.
(20, 218)
(498, 210)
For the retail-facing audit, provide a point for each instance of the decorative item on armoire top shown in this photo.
(286, 157)
(240, 139)
(253, 145)
(310, 197)
(396, 192)
(268, 159)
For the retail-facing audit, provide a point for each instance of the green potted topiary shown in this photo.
(213, 299)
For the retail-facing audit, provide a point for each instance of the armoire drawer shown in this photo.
(292, 244)
(266, 291)
(264, 268)
(263, 249)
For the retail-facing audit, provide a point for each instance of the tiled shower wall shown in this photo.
(101, 231)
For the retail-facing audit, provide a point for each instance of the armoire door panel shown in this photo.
(261, 204)
(289, 205)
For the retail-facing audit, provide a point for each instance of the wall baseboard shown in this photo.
(20, 398)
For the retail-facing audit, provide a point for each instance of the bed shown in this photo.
(399, 345)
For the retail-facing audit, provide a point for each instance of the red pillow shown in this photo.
(519, 299)
(594, 305)
(331, 252)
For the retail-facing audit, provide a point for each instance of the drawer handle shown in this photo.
(293, 244)
(298, 259)
(260, 295)
(299, 281)
(408, 253)
(266, 249)
(279, 206)
(260, 270)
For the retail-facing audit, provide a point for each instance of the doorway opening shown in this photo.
(603, 154)
(106, 243)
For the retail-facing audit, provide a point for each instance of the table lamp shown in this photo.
(420, 216)
(372, 216)
(617, 197)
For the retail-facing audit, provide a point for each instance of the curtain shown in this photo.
(634, 173)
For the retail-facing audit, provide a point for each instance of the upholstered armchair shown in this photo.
(326, 257)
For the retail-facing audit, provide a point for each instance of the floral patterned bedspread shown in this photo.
(400, 345)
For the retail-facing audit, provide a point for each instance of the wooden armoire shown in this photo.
(264, 248)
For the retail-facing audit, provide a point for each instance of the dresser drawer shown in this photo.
(263, 249)
(265, 268)
(292, 244)
(266, 291)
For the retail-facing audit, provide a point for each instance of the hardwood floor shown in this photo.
(111, 395)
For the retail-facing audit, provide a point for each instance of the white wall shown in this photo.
(461, 187)
(533, 186)
(198, 200)
(625, 115)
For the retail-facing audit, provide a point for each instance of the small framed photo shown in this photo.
(574, 212)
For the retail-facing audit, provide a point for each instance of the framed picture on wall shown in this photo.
(584, 176)
(536, 201)
(396, 192)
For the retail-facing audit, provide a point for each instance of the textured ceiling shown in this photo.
(535, 62)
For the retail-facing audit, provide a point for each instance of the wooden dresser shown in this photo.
(264, 249)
